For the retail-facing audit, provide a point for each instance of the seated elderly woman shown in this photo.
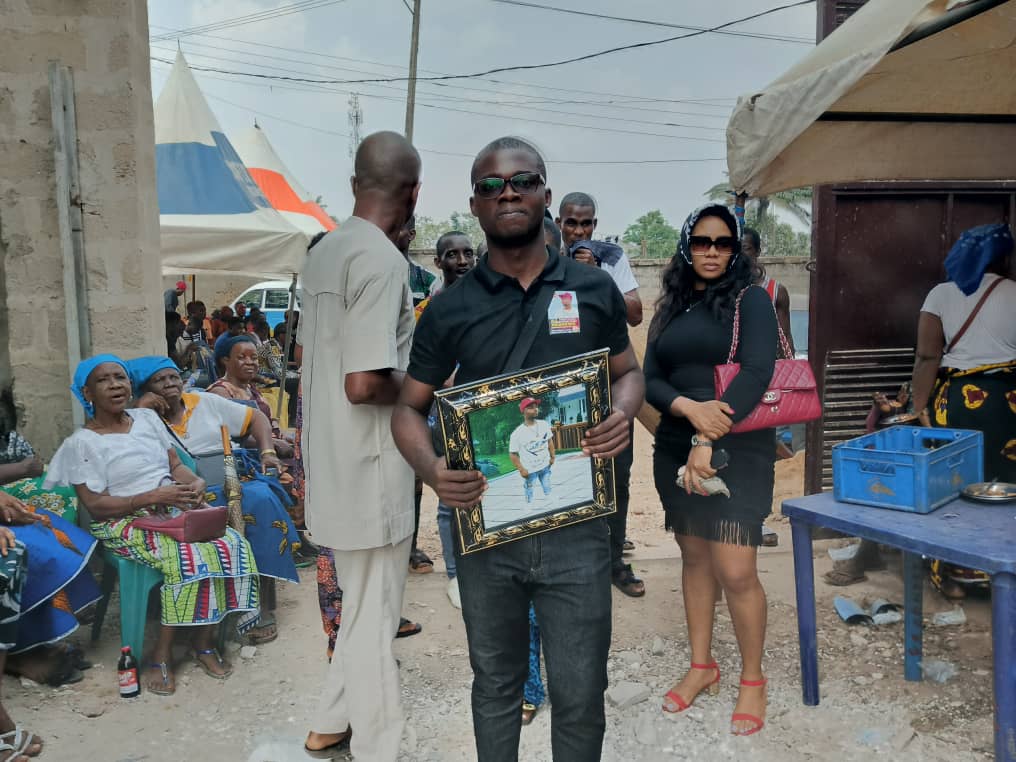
(237, 361)
(15, 744)
(59, 583)
(195, 421)
(123, 467)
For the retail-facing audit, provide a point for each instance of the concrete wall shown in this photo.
(792, 272)
(105, 42)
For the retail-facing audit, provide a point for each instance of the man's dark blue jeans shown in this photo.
(566, 575)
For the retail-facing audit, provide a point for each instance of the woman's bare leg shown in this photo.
(699, 591)
(736, 569)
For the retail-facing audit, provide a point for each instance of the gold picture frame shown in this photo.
(489, 425)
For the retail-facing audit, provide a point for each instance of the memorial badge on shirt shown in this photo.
(563, 313)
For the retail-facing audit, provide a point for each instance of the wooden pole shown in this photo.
(287, 347)
(413, 53)
(70, 225)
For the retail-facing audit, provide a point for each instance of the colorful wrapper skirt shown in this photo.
(58, 583)
(203, 581)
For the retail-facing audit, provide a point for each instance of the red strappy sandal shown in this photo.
(758, 724)
(712, 689)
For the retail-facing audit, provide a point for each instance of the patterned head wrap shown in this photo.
(975, 251)
(710, 210)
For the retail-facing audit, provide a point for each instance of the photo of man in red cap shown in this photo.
(531, 448)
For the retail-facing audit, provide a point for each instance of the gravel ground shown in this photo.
(260, 713)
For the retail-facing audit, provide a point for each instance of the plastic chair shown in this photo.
(136, 583)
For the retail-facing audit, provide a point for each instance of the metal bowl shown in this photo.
(990, 492)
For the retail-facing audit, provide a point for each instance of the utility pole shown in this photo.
(355, 124)
(413, 51)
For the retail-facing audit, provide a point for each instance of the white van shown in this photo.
(271, 297)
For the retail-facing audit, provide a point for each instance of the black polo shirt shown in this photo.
(474, 324)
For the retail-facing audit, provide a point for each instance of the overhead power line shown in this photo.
(628, 97)
(250, 18)
(318, 87)
(525, 67)
(599, 117)
(532, 102)
(324, 131)
(647, 22)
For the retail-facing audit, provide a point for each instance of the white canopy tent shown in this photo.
(283, 191)
(903, 90)
(213, 216)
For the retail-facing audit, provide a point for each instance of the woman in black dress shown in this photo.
(690, 334)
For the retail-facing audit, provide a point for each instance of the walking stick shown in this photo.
(231, 484)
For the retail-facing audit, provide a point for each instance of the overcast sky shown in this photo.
(580, 112)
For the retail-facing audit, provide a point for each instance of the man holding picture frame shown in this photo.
(496, 320)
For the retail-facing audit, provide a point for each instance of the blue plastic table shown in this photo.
(969, 534)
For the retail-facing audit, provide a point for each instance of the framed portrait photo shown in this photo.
(523, 431)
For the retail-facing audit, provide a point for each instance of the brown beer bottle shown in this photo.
(127, 674)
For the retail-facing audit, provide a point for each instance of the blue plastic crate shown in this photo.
(907, 468)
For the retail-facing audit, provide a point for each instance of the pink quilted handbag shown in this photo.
(792, 396)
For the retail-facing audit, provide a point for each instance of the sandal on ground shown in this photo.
(227, 669)
(843, 577)
(624, 579)
(420, 563)
(329, 751)
(168, 687)
(264, 632)
(628, 546)
(18, 742)
(408, 629)
(528, 712)
(757, 723)
(713, 688)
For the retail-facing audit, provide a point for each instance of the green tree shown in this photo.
(660, 236)
(428, 230)
(779, 239)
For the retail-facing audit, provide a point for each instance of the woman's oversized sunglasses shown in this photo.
(701, 244)
(523, 183)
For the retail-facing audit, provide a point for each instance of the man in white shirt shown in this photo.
(356, 327)
(577, 220)
(531, 448)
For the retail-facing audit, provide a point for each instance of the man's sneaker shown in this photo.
(453, 592)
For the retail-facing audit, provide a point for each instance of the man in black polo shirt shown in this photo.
(565, 572)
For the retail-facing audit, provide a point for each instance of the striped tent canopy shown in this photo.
(213, 216)
(278, 184)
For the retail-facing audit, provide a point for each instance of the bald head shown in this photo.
(386, 163)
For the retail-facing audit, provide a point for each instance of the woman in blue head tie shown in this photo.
(123, 466)
(195, 421)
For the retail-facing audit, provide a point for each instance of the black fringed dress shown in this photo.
(680, 362)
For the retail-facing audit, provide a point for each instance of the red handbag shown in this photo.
(196, 525)
(792, 395)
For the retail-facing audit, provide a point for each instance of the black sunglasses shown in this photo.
(701, 244)
(523, 183)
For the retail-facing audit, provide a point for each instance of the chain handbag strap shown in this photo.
(784, 344)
